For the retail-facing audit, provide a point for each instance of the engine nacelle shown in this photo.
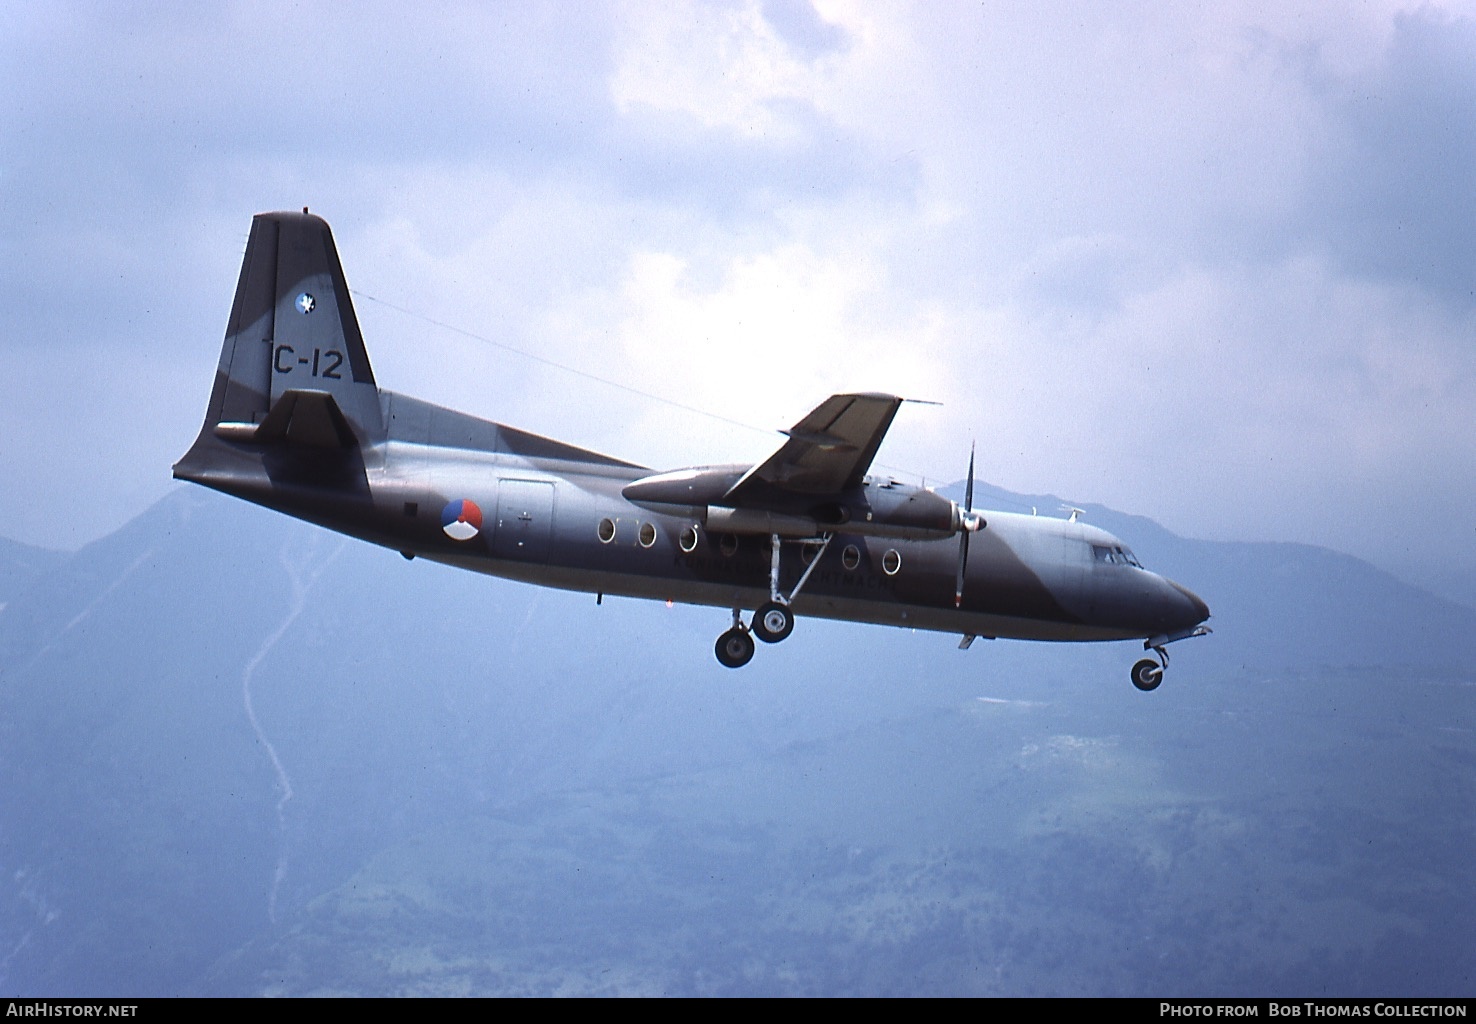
(747, 520)
(876, 508)
(683, 490)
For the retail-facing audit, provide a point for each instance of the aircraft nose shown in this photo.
(1195, 610)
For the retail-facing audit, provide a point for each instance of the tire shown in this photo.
(734, 648)
(772, 622)
(1147, 674)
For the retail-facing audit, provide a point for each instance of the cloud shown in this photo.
(759, 337)
(722, 65)
(1210, 264)
(1393, 196)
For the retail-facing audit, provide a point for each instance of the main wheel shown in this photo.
(734, 648)
(1147, 674)
(772, 622)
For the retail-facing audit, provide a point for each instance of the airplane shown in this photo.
(297, 423)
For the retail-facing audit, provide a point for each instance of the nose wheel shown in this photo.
(1147, 674)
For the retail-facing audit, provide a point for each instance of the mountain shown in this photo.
(242, 755)
(20, 564)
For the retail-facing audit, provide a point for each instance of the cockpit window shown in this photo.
(1115, 556)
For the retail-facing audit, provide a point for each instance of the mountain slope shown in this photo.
(242, 754)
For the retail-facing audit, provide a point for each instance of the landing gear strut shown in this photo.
(773, 621)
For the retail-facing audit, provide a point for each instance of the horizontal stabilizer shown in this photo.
(309, 419)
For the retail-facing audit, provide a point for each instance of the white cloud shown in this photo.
(723, 65)
(759, 337)
(1095, 233)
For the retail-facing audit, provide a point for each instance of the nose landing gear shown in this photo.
(1147, 674)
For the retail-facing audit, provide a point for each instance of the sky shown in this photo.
(1212, 263)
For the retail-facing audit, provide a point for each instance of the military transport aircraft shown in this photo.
(296, 423)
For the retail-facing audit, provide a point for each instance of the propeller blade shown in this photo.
(963, 562)
(963, 535)
(969, 487)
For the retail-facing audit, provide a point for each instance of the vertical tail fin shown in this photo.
(293, 368)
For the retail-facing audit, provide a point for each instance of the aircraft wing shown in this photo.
(828, 451)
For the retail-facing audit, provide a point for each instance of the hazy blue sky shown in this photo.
(1209, 263)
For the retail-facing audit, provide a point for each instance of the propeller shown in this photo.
(967, 523)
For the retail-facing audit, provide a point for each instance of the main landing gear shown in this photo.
(773, 620)
(1147, 674)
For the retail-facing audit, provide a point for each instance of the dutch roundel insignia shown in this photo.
(461, 519)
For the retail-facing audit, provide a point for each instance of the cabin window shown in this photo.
(607, 530)
(891, 562)
(688, 539)
(647, 535)
(851, 557)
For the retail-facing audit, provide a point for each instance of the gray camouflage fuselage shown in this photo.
(296, 423)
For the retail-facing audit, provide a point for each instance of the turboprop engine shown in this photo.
(876, 507)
